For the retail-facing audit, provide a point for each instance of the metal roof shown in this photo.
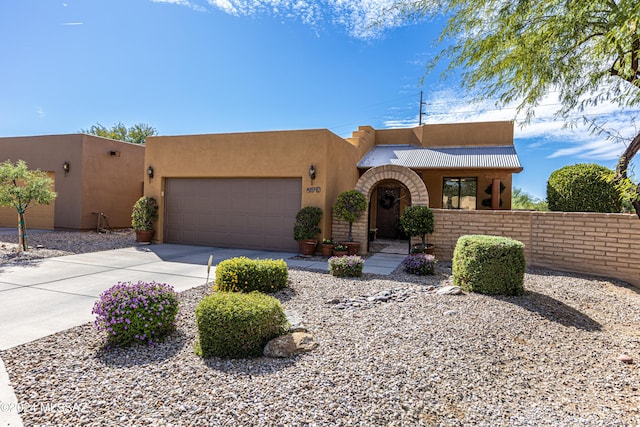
(503, 157)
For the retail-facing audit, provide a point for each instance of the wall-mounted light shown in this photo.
(66, 167)
(312, 172)
(150, 172)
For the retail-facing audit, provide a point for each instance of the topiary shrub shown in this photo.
(237, 325)
(420, 264)
(583, 188)
(417, 221)
(306, 225)
(346, 266)
(489, 265)
(136, 313)
(349, 206)
(246, 275)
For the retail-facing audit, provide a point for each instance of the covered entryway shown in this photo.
(388, 201)
(249, 213)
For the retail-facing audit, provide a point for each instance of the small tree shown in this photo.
(350, 205)
(21, 189)
(583, 188)
(417, 221)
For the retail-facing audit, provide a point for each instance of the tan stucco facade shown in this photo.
(104, 176)
(289, 154)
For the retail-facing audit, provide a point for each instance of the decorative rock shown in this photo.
(290, 345)
(449, 290)
(624, 358)
(295, 320)
(450, 313)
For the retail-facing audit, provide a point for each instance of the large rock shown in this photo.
(290, 345)
(449, 290)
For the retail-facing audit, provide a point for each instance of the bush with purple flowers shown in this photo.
(346, 266)
(140, 312)
(420, 264)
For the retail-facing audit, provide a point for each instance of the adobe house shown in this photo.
(244, 189)
(90, 173)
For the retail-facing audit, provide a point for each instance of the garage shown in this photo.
(251, 213)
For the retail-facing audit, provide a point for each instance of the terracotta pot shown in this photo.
(144, 236)
(307, 247)
(327, 249)
(339, 253)
(354, 247)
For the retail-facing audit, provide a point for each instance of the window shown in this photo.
(459, 193)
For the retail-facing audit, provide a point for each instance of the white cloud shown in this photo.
(363, 19)
(72, 24)
(40, 112)
(546, 129)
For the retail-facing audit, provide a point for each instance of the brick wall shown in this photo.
(600, 244)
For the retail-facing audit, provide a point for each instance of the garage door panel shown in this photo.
(241, 213)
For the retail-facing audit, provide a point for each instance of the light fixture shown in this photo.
(66, 167)
(312, 172)
(150, 172)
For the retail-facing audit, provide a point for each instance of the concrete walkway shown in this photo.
(45, 297)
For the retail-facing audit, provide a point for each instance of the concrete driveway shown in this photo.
(47, 296)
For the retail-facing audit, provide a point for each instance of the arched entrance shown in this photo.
(389, 198)
(376, 178)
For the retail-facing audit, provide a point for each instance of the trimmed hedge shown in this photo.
(247, 275)
(237, 325)
(583, 188)
(489, 265)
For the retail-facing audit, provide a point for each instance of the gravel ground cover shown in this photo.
(548, 358)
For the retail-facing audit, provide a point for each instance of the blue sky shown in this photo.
(211, 66)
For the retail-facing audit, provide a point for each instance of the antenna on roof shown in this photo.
(421, 113)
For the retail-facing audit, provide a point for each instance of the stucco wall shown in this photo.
(87, 186)
(279, 154)
(112, 183)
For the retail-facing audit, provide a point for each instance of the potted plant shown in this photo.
(340, 250)
(327, 247)
(306, 229)
(418, 221)
(349, 206)
(145, 211)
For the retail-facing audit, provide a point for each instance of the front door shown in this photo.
(388, 212)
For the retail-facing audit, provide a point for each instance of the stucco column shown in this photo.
(495, 194)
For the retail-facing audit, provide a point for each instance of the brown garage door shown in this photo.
(232, 213)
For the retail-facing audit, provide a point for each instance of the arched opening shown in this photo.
(375, 178)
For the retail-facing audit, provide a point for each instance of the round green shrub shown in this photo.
(489, 265)
(237, 325)
(242, 274)
(583, 188)
(142, 313)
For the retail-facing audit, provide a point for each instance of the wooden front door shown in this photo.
(388, 212)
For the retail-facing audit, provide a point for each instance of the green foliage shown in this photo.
(306, 225)
(246, 275)
(417, 221)
(136, 134)
(144, 212)
(525, 201)
(346, 266)
(489, 265)
(583, 188)
(350, 205)
(236, 325)
(21, 188)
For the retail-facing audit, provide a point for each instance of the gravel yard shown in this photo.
(548, 358)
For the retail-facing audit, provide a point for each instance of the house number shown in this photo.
(313, 189)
